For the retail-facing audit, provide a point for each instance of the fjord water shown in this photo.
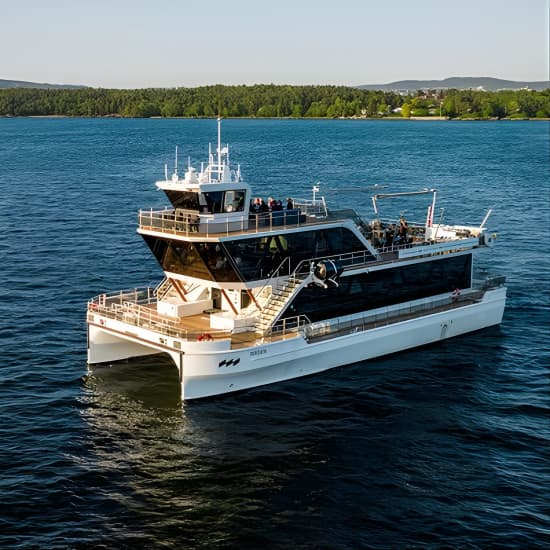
(444, 445)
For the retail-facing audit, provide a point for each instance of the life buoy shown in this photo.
(93, 306)
(205, 337)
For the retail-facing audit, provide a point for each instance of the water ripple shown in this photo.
(447, 445)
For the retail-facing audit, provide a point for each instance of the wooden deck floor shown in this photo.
(200, 324)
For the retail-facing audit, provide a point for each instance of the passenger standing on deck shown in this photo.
(256, 205)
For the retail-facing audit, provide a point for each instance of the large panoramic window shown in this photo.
(250, 259)
(201, 260)
(178, 257)
(383, 288)
(258, 257)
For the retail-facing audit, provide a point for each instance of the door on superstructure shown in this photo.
(216, 298)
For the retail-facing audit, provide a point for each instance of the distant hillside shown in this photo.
(458, 83)
(42, 85)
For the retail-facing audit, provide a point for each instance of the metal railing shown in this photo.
(289, 325)
(139, 295)
(133, 307)
(305, 267)
(312, 207)
(263, 299)
(129, 306)
(170, 221)
(489, 283)
(346, 260)
(323, 329)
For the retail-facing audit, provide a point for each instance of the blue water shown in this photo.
(447, 445)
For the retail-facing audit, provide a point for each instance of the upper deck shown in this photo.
(186, 223)
(215, 205)
(382, 236)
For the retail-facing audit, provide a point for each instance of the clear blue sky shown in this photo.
(157, 43)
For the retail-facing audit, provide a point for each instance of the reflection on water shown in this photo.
(284, 456)
(151, 380)
(210, 463)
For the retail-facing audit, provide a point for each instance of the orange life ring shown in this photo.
(205, 337)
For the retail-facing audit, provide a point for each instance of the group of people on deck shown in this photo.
(259, 206)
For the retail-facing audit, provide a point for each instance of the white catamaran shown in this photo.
(253, 295)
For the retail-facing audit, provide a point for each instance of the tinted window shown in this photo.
(183, 199)
(234, 201)
(382, 288)
(214, 201)
(258, 257)
(201, 260)
(249, 259)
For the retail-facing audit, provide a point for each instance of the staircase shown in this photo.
(170, 288)
(279, 298)
(163, 288)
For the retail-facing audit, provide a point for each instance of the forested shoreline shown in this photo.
(274, 101)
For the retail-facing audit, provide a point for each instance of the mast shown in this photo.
(433, 206)
(431, 212)
(219, 147)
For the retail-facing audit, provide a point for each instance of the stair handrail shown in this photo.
(274, 274)
(304, 269)
(300, 283)
(162, 288)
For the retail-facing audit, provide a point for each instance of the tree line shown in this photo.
(269, 100)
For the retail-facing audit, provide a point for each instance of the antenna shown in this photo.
(166, 172)
(219, 143)
(439, 224)
(434, 191)
(176, 164)
(486, 218)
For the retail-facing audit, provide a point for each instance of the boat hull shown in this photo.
(211, 368)
(276, 362)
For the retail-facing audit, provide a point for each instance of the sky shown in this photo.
(169, 43)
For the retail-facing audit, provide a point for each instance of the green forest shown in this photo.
(273, 101)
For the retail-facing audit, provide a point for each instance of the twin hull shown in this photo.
(211, 368)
